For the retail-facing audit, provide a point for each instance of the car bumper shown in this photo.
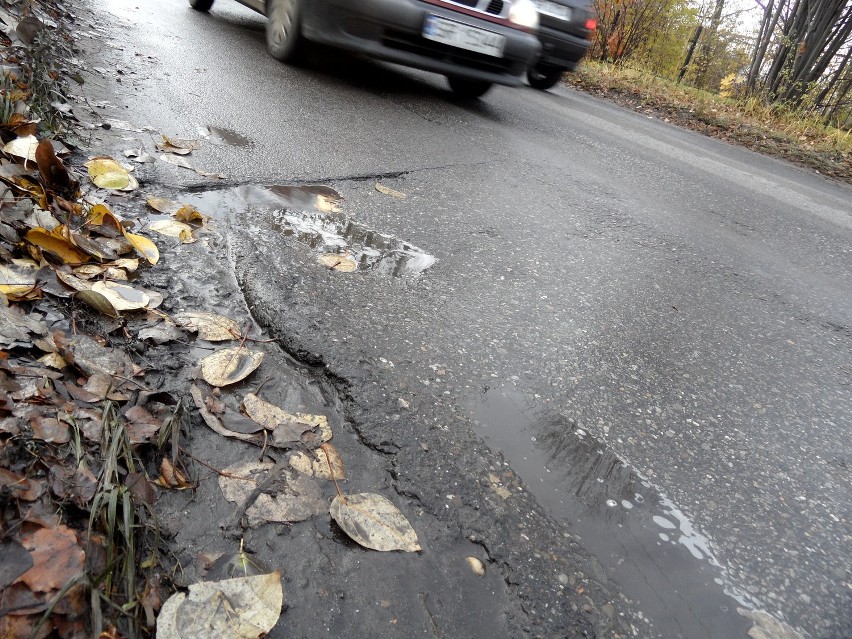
(391, 30)
(560, 49)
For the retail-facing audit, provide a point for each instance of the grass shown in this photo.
(773, 130)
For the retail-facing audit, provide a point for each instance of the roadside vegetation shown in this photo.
(775, 78)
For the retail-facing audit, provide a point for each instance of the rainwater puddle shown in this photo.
(313, 216)
(644, 542)
(223, 137)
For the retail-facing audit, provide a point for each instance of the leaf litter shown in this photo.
(73, 383)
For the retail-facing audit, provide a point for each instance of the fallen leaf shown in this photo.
(171, 477)
(182, 162)
(57, 559)
(178, 146)
(21, 487)
(50, 429)
(209, 326)
(173, 228)
(381, 188)
(77, 485)
(336, 262)
(16, 561)
(272, 417)
(187, 213)
(160, 334)
(91, 357)
(230, 366)
(102, 386)
(23, 147)
(18, 328)
(294, 497)
(213, 422)
(145, 247)
(325, 464)
(374, 522)
(106, 173)
(121, 296)
(239, 608)
(53, 172)
(142, 426)
(97, 301)
(53, 360)
(56, 243)
(16, 279)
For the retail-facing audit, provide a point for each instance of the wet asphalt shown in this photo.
(654, 328)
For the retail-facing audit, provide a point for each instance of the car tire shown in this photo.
(544, 77)
(284, 39)
(201, 5)
(468, 89)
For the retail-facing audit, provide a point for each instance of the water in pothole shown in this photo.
(312, 215)
(641, 539)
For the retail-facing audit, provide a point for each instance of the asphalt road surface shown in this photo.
(653, 327)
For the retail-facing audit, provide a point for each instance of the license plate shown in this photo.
(463, 36)
(553, 9)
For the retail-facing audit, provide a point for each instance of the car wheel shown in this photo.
(543, 77)
(284, 29)
(470, 89)
(201, 5)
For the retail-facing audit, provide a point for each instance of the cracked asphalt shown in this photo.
(626, 376)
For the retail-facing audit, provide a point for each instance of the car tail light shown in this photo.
(592, 24)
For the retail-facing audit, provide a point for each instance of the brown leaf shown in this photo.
(50, 429)
(209, 326)
(53, 172)
(77, 485)
(143, 426)
(57, 559)
(105, 386)
(325, 463)
(140, 488)
(21, 487)
(171, 477)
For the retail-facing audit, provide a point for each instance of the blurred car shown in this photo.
(475, 43)
(565, 29)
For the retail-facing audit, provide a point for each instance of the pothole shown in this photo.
(313, 216)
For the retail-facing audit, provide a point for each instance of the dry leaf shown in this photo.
(327, 463)
(374, 522)
(336, 262)
(173, 228)
(230, 366)
(240, 608)
(16, 280)
(212, 421)
(121, 296)
(294, 497)
(209, 326)
(171, 477)
(24, 147)
(145, 247)
(272, 418)
(106, 173)
(163, 205)
(381, 188)
(182, 162)
(57, 559)
(97, 301)
(56, 243)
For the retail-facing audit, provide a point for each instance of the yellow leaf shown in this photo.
(106, 173)
(121, 296)
(336, 262)
(381, 188)
(374, 522)
(55, 243)
(145, 247)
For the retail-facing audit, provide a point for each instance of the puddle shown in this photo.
(312, 215)
(644, 542)
(223, 137)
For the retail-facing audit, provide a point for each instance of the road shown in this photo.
(654, 328)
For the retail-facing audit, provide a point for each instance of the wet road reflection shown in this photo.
(642, 540)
